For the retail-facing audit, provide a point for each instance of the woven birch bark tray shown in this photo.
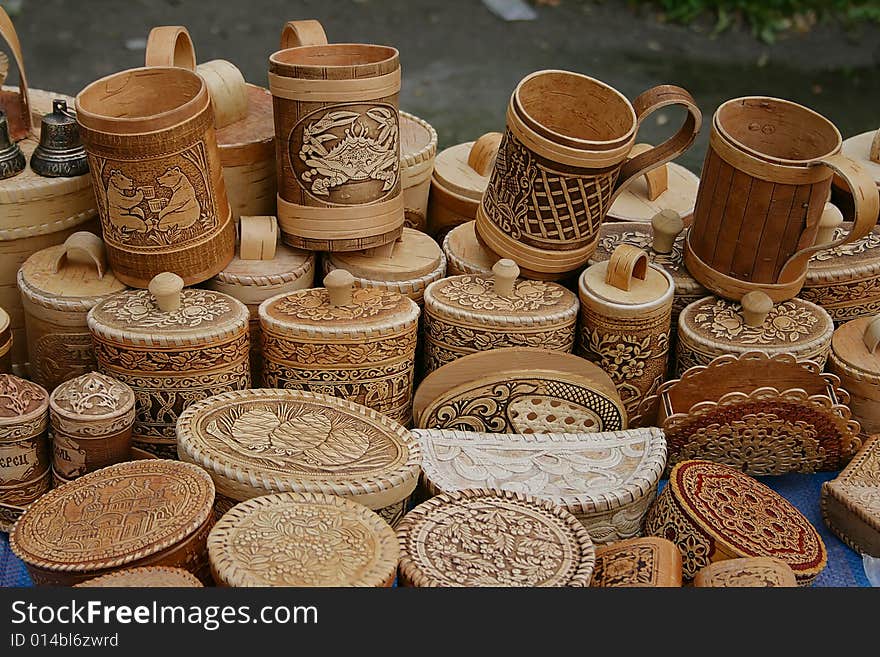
(256, 442)
(851, 501)
(638, 562)
(714, 512)
(271, 541)
(748, 572)
(144, 577)
(418, 146)
(150, 512)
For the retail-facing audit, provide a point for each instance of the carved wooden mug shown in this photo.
(157, 175)
(765, 181)
(337, 141)
(564, 158)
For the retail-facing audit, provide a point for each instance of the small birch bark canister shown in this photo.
(59, 286)
(5, 343)
(358, 344)
(173, 347)
(856, 360)
(418, 146)
(263, 268)
(337, 130)
(156, 171)
(91, 418)
(765, 181)
(24, 446)
(564, 159)
(626, 315)
(465, 254)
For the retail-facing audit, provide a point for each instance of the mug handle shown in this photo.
(646, 104)
(303, 33)
(866, 208)
(170, 45)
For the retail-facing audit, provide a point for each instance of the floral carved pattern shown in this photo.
(787, 323)
(666, 520)
(672, 262)
(59, 357)
(628, 566)
(314, 305)
(366, 352)
(138, 310)
(92, 394)
(870, 241)
(204, 358)
(478, 293)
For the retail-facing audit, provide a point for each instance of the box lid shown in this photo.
(144, 577)
(90, 397)
(465, 253)
(21, 400)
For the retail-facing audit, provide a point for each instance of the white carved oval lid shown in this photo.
(114, 516)
(795, 324)
(203, 317)
(293, 539)
(310, 313)
(847, 262)
(270, 440)
(92, 396)
(472, 297)
(584, 472)
(21, 400)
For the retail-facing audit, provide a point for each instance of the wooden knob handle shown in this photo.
(874, 155)
(83, 246)
(656, 179)
(626, 262)
(228, 91)
(871, 336)
(170, 45)
(340, 286)
(756, 306)
(259, 237)
(831, 218)
(482, 154)
(504, 275)
(667, 225)
(166, 288)
(303, 33)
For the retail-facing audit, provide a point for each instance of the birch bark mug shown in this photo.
(564, 158)
(155, 167)
(337, 132)
(765, 181)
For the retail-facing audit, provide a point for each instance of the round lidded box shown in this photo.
(418, 146)
(173, 347)
(91, 418)
(855, 359)
(302, 539)
(144, 577)
(470, 313)
(484, 538)
(358, 344)
(715, 512)
(465, 254)
(256, 442)
(150, 512)
(59, 286)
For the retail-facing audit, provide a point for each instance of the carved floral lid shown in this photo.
(292, 539)
(852, 261)
(114, 516)
(255, 442)
(92, 396)
(21, 400)
(582, 472)
(144, 576)
(746, 517)
(764, 572)
(493, 538)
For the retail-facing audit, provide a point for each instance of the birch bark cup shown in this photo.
(337, 132)
(765, 181)
(564, 158)
(155, 167)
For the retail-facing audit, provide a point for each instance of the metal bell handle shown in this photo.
(83, 246)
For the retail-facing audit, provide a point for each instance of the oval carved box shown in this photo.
(173, 347)
(256, 442)
(714, 512)
(607, 480)
(144, 577)
(302, 539)
(150, 512)
(493, 538)
(638, 562)
(358, 344)
(470, 313)
(748, 572)
(59, 286)
(91, 418)
(24, 446)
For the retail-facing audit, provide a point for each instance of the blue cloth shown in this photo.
(844, 565)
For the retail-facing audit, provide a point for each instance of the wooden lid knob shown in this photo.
(83, 246)
(258, 236)
(874, 155)
(340, 285)
(228, 91)
(831, 218)
(657, 179)
(482, 154)
(626, 263)
(756, 306)
(504, 275)
(166, 288)
(303, 33)
(170, 45)
(667, 225)
(871, 336)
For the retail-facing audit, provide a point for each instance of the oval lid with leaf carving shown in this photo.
(269, 440)
(21, 400)
(294, 539)
(848, 261)
(114, 516)
(307, 312)
(92, 396)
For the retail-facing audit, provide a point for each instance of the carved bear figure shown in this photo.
(122, 207)
(183, 209)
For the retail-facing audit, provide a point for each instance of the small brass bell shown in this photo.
(60, 153)
(12, 161)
